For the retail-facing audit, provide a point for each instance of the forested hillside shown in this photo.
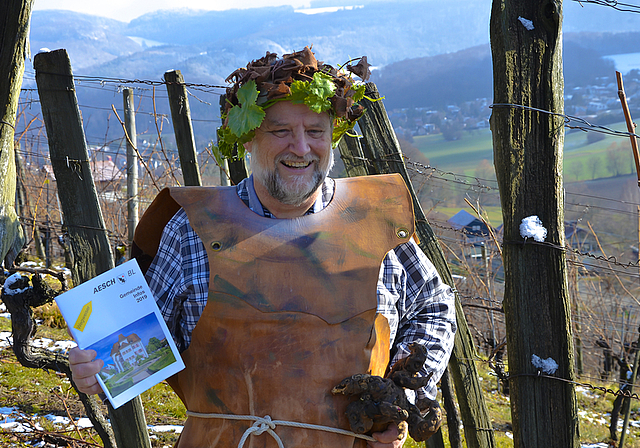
(465, 75)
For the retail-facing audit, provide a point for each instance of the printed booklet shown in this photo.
(116, 315)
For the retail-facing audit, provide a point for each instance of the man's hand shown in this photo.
(84, 368)
(392, 437)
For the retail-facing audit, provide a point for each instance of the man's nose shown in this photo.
(300, 144)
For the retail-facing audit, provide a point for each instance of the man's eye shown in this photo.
(316, 132)
(280, 132)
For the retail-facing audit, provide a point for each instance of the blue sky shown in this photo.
(126, 10)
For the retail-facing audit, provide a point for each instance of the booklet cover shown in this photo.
(116, 315)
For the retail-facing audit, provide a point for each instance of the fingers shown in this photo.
(392, 437)
(78, 356)
(84, 368)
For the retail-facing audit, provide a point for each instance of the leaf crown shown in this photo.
(297, 77)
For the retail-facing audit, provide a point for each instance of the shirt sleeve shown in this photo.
(179, 278)
(425, 311)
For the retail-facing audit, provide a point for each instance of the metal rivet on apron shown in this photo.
(402, 233)
(216, 245)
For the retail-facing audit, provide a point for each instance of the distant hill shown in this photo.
(467, 74)
(207, 45)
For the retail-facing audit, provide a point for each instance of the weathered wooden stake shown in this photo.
(224, 174)
(132, 163)
(355, 163)
(182, 127)
(80, 207)
(14, 30)
(383, 150)
(526, 44)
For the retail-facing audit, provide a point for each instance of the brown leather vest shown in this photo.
(291, 309)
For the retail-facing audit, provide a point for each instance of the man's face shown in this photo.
(291, 152)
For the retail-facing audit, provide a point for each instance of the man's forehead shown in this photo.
(287, 114)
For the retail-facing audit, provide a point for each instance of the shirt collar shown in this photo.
(256, 206)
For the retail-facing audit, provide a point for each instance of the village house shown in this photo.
(126, 350)
(471, 226)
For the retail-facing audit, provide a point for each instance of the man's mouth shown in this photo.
(294, 164)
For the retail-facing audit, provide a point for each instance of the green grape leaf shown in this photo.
(320, 90)
(339, 129)
(244, 119)
(246, 116)
(227, 144)
(248, 93)
(217, 155)
(314, 94)
(359, 92)
(299, 91)
(322, 86)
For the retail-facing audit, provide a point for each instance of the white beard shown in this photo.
(295, 190)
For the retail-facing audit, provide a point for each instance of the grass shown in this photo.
(463, 156)
(460, 156)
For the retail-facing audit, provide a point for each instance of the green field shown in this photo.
(582, 160)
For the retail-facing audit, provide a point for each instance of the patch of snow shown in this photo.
(15, 427)
(84, 423)
(3, 311)
(57, 419)
(531, 227)
(587, 392)
(63, 346)
(6, 340)
(29, 264)
(165, 428)
(528, 24)
(548, 366)
(6, 289)
(42, 342)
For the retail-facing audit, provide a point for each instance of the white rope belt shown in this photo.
(265, 424)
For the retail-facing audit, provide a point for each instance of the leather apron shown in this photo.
(291, 310)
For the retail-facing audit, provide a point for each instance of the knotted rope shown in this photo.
(265, 424)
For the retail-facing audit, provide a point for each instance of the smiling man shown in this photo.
(291, 157)
(279, 288)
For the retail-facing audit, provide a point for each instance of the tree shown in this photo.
(485, 170)
(14, 29)
(576, 168)
(452, 130)
(526, 42)
(614, 160)
(154, 344)
(412, 152)
(593, 164)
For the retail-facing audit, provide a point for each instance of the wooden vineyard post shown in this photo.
(80, 207)
(132, 163)
(355, 163)
(526, 44)
(383, 151)
(182, 127)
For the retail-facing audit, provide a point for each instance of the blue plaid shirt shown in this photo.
(419, 307)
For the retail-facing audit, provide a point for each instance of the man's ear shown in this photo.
(248, 146)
